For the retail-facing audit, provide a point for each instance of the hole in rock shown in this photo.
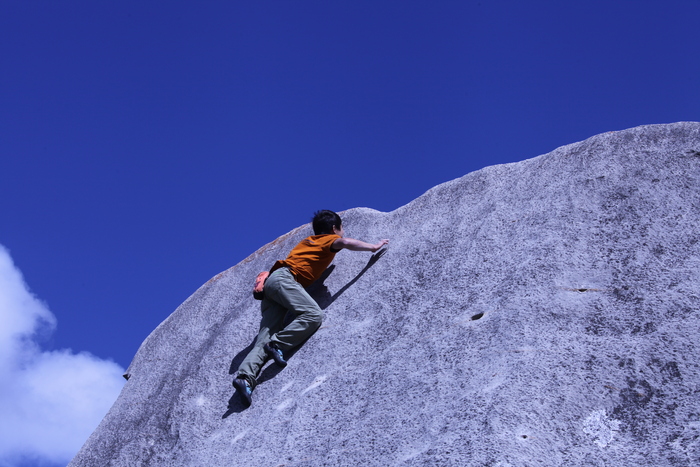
(477, 316)
(524, 436)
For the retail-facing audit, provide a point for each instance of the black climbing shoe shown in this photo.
(276, 354)
(244, 390)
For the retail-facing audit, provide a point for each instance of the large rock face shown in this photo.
(539, 313)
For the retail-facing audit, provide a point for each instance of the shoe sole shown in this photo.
(275, 356)
(246, 398)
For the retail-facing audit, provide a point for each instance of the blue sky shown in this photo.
(147, 146)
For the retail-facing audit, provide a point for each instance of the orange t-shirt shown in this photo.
(309, 258)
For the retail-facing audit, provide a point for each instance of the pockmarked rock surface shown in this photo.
(545, 312)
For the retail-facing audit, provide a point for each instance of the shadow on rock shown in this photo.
(320, 292)
(234, 406)
(240, 356)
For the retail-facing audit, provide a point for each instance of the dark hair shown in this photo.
(324, 221)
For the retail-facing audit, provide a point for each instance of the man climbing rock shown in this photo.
(284, 291)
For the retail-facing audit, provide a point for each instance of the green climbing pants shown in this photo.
(282, 293)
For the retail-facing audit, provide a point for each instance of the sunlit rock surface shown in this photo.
(545, 312)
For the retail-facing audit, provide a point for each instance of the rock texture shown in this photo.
(545, 313)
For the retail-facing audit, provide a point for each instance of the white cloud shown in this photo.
(50, 402)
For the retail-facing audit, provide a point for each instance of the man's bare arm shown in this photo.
(357, 245)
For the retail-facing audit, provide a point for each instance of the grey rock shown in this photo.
(544, 312)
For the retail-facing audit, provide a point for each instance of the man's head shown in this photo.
(326, 222)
